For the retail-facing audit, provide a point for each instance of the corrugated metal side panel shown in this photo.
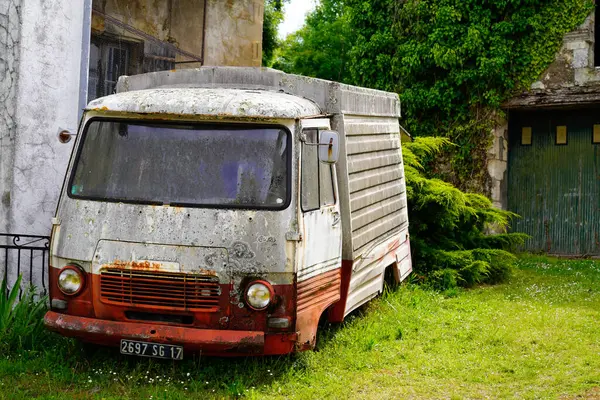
(556, 188)
(375, 174)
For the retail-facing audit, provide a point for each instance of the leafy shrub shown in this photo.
(449, 229)
(21, 322)
(443, 279)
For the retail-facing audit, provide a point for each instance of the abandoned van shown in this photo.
(226, 211)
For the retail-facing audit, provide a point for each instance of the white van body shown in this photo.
(187, 187)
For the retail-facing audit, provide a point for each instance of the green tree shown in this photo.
(273, 16)
(321, 47)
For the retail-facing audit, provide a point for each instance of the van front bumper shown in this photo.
(208, 341)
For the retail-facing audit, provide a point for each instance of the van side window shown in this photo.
(317, 177)
(310, 173)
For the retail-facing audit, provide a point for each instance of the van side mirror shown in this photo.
(65, 135)
(329, 147)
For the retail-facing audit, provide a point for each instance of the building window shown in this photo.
(112, 57)
(561, 134)
(108, 61)
(526, 136)
(596, 136)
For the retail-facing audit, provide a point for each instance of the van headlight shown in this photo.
(71, 280)
(259, 295)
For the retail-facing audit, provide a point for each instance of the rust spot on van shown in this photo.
(208, 272)
(140, 265)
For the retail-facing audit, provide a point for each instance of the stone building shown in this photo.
(56, 55)
(545, 161)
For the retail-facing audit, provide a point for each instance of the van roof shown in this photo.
(209, 102)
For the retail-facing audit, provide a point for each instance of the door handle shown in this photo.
(336, 218)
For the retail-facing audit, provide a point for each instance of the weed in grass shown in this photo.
(21, 322)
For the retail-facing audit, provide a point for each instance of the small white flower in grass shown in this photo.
(89, 381)
(188, 374)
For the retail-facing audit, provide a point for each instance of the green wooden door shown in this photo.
(553, 185)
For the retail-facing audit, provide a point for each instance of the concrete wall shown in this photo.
(10, 36)
(43, 95)
(234, 33)
(233, 28)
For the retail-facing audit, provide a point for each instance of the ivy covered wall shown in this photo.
(453, 62)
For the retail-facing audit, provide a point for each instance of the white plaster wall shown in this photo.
(10, 29)
(47, 98)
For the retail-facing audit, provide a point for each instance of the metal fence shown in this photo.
(25, 255)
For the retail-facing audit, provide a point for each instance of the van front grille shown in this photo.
(160, 290)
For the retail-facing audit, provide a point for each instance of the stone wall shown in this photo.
(572, 79)
(498, 163)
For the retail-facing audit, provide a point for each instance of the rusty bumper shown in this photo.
(208, 341)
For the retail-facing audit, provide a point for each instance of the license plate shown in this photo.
(146, 349)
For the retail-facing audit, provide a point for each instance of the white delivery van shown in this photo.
(226, 210)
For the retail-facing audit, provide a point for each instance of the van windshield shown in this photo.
(237, 166)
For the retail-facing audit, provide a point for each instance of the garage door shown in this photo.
(554, 180)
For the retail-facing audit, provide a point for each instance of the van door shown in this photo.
(319, 271)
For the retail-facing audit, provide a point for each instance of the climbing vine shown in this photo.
(454, 62)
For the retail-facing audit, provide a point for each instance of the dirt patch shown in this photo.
(592, 394)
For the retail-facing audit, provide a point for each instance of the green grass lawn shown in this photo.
(536, 337)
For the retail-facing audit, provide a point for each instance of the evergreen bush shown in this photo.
(450, 229)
